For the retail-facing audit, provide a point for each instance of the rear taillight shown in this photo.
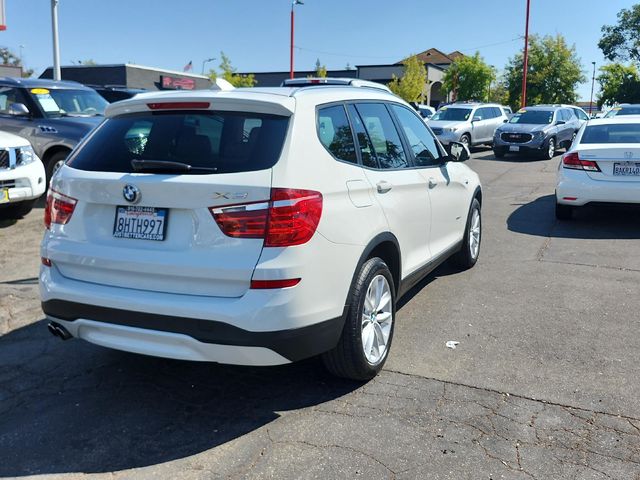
(178, 105)
(289, 218)
(58, 209)
(573, 161)
(272, 284)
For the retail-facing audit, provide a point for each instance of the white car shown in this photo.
(602, 166)
(22, 177)
(253, 226)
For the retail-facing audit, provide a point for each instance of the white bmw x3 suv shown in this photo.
(254, 226)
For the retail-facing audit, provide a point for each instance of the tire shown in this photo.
(470, 250)
(17, 211)
(54, 162)
(499, 152)
(349, 359)
(465, 139)
(564, 212)
(550, 150)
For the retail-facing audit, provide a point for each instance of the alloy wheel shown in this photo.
(377, 319)
(474, 234)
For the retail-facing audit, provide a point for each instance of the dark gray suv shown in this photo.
(53, 116)
(539, 130)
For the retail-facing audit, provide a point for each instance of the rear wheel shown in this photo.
(470, 251)
(17, 211)
(368, 330)
(564, 212)
(54, 163)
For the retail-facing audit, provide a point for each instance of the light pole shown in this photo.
(293, 4)
(526, 59)
(207, 61)
(56, 46)
(593, 81)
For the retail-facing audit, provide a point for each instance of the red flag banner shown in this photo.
(3, 18)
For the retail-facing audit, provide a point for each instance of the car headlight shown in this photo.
(450, 129)
(27, 155)
(539, 134)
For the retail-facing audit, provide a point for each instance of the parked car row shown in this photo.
(539, 130)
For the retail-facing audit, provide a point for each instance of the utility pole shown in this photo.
(293, 4)
(593, 81)
(56, 46)
(207, 61)
(526, 58)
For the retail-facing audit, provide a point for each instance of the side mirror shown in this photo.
(476, 119)
(458, 152)
(506, 120)
(19, 110)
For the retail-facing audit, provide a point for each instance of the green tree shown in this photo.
(321, 70)
(228, 72)
(7, 57)
(468, 78)
(553, 74)
(619, 84)
(498, 91)
(410, 86)
(622, 40)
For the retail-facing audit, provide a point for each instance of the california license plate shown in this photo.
(514, 148)
(4, 195)
(629, 169)
(140, 223)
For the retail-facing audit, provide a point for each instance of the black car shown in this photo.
(115, 93)
(53, 115)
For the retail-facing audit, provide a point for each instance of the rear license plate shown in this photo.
(514, 148)
(629, 169)
(4, 195)
(140, 223)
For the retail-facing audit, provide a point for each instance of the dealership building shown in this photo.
(131, 76)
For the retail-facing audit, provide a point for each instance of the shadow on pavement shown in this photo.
(589, 222)
(71, 406)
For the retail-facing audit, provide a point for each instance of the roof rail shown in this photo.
(327, 81)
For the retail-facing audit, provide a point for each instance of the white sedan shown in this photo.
(22, 177)
(602, 166)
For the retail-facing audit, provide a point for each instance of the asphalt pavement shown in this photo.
(543, 384)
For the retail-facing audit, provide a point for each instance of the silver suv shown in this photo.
(468, 123)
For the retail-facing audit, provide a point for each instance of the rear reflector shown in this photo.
(45, 261)
(178, 105)
(289, 218)
(266, 284)
(570, 199)
(573, 161)
(58, 208)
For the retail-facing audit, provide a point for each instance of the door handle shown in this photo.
(432, 183)
(383, 187)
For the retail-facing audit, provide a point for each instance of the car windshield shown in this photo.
(454, 114)
(68, 102)
(634, 110)
(618, 133)
(534, 117)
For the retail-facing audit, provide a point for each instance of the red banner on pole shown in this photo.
(3, 18)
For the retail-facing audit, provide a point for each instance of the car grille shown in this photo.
(4, 158)
(516, 137)
(436, 130)
(7, 183)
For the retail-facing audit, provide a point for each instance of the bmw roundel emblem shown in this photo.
(131, 193)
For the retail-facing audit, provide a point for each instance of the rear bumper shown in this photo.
(191, 338)
(578, 185)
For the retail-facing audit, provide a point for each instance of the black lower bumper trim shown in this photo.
(294, 344)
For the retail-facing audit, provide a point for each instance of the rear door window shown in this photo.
(215, 142)
(384, 137)
(335, 133)
(364, 143)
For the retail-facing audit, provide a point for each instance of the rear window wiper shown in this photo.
(167, 166)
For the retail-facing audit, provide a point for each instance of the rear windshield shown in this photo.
(216, 142)
(633, 110)
(533, 117)
(454, 114)
(619, 133)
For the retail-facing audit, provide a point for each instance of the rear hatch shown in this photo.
(146, 184)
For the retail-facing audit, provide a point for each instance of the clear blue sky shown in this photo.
(255, 33)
